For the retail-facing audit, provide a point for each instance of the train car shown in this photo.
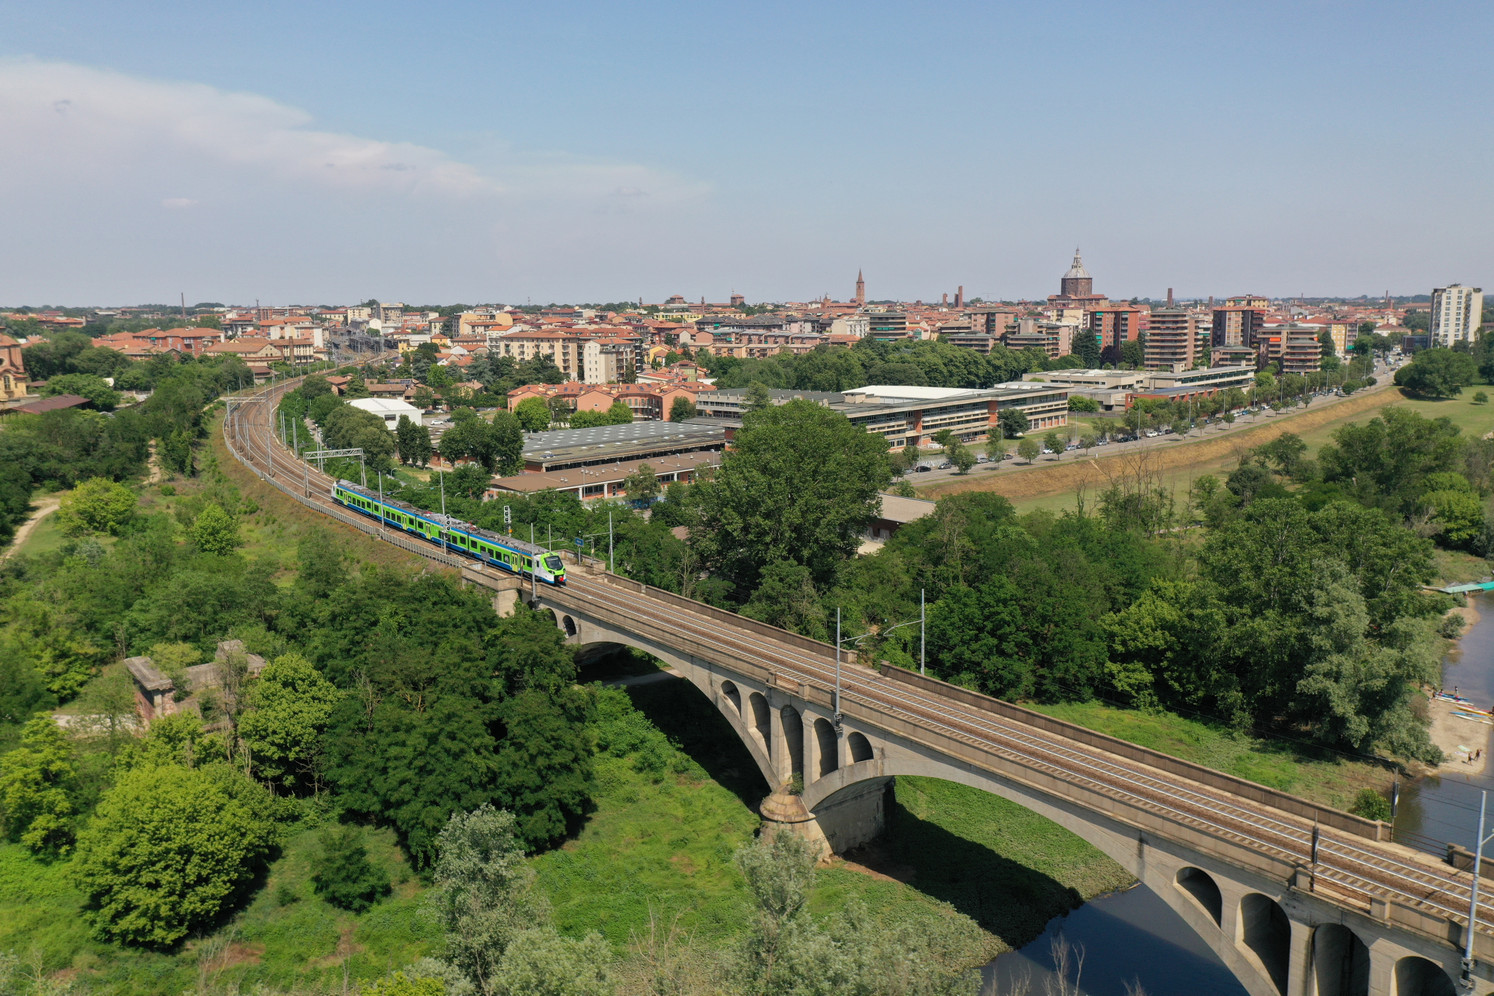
(455, 535)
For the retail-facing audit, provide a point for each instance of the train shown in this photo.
(516, 556)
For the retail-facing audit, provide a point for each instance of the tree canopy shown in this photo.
(168, 849)
(799, 486)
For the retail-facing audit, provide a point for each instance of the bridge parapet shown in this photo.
(1358, 825)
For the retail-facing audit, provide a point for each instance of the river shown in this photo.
(1444, 807)
(1132, 937)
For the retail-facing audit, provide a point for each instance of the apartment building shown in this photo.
(1171, 339)
(1237, 325)
(1116, 323)
(1457, 313)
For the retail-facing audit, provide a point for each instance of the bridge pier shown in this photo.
(854, 817)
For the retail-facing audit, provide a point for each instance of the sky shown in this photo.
(309, 152)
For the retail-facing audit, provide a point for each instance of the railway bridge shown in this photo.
(1296, 899)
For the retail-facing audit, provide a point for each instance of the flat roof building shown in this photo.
(906, 414)
(567, 449)
(388, 409)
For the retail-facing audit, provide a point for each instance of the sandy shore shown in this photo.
(1451, 732)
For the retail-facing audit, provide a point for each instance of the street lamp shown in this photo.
(1466, 981)
(922, 646)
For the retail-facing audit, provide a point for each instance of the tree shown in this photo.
(800, 485)
(1133, 354)
(1080, 403)
(214, 530)
(758, 397)
(541, 962)
(94, 388)
(533, 414)
(995, 447)
(483, 895)
(98, 505)
(168, 849)
(413, 442)
(682, 409)
(175, 451)
(1028, 448)
(507, 450)
(36, 784)
(962, 457)
(289, 708)
(1480, 398)
(619, 413)
(1438, 373)
(1458, 515)
(642, 486)
(344, 876)
(543, 771)
(1087, 442)
(787, 953)
(1013, 422)
(1054, 442)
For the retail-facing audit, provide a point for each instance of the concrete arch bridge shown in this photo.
(1296, 899)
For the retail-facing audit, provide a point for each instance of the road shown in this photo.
(1383, 382)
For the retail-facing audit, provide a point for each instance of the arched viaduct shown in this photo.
(1276, 922)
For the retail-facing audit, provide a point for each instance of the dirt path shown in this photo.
(44, 507)
(153, 464)
(1045, 480)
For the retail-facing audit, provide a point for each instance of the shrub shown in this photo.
(1371, 805)
(344, 876)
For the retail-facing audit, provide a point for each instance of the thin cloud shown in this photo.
(178, 203)
(51, 112)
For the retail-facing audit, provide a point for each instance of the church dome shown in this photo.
(1077, 270)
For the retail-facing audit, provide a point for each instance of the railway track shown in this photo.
(1353, 870)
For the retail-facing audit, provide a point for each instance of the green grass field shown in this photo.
(955, 859)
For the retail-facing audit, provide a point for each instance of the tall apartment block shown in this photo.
(1457, 312)
(1116, 323)
(1237, 325)
(1171, 339)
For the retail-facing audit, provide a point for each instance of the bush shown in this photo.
(169, 849)
(344, 876)
(1371, 805)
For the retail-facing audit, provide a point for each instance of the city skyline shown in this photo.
(301, 156)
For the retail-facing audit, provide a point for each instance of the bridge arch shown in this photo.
(569, 625)
(1340, 962)
(1416, 976)
(825, 748)
(793, 741)
(760, 722)
(858, 747)
(1266, 933)
(730, 693)
(1200, 886)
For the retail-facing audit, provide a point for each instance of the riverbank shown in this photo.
(1463, 736)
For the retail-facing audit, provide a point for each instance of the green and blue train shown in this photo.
(455, 535)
